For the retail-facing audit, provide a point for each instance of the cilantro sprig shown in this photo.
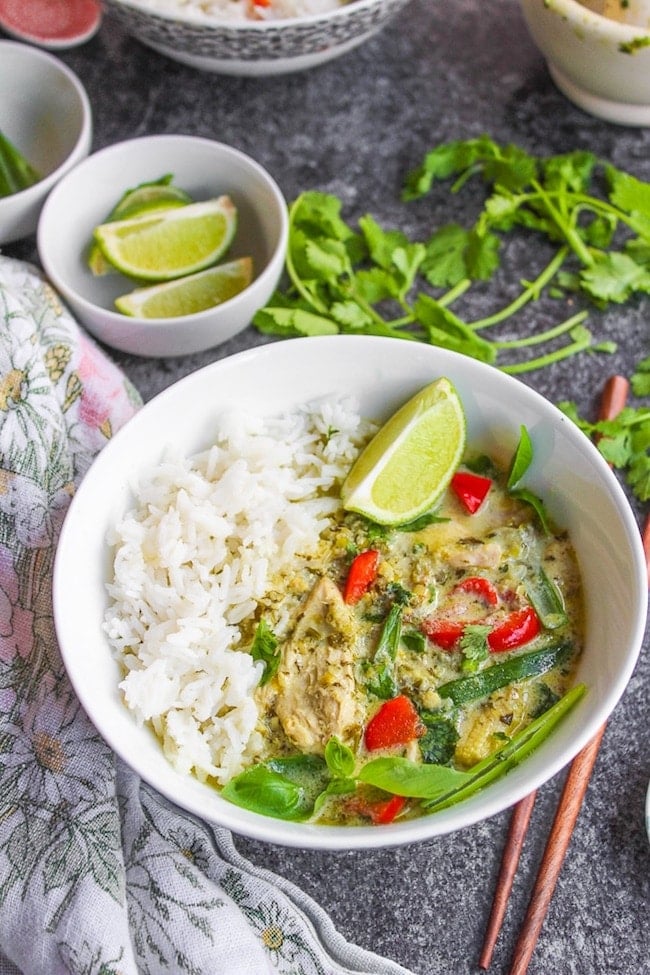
(575, 200)
(368, 280)
(625, 440)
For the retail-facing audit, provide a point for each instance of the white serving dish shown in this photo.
(580, 490)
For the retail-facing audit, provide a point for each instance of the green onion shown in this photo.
(16, 173)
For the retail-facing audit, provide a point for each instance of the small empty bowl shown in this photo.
(600, 63)
(45, 113)
(203, 169)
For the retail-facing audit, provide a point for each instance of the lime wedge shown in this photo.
(145, 198)
(171, 243)
(188, 295)
(408, 464)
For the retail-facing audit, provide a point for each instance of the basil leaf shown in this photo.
(523, 494)
(381, 680)
(282, 787)
(264, 791)
(339, 758)
(405, 778)
(522, 458)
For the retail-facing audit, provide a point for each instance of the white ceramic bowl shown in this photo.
(600, 64)
(254, 47)
(568, 472)
(202, 168)
(45, 113)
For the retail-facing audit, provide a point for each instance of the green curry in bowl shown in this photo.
(419, 659)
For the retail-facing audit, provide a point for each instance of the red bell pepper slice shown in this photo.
(361, 575)
(396, 723)
(519, 627)
(481, 587)
(380, 813)
(470, 489)
(444, 633)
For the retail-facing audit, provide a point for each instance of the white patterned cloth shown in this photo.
(99, 875)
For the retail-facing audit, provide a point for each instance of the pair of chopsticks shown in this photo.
(613, 400)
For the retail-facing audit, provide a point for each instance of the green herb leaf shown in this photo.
(380, 676)
(473, 646)
(339, 758)
(522, 459)
(402, 777)
(265, 648)
(286, 788)
(438, 743)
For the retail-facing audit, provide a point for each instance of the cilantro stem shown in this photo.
(592, 203)
(530, 292)
(571, 236)
(551, 333)
(304, 293)
(580, 344)
(455, 292)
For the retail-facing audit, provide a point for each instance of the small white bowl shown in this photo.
(202, 168)
(580, 490)
(600, 64)
(46, 114)
(253, 47)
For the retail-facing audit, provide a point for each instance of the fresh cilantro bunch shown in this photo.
(367, 280)
(574, 200)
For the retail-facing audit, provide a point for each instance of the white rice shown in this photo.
(194, 557)
(217, 11)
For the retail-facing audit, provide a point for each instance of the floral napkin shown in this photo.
(98, 873)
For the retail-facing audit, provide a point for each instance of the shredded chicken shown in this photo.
(317, 692)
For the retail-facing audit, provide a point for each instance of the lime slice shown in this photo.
(190, 294)
(171, 243)
(145, 198)
(406, 467)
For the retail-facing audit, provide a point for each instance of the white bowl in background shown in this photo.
(204, 169)
(580, 490)
(45, 113)
(600, 64)
(254, 47)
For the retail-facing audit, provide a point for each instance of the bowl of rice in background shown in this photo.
(273, 483)
(253, 37)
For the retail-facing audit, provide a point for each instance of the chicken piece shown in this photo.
(317, 692)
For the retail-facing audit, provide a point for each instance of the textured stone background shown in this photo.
(355, 127)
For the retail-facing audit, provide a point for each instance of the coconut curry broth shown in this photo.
(458, 591)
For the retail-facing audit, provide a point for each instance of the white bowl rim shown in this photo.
(578, 15)
(255, 26)
(115, 317)
(314, 836)
(85, 133)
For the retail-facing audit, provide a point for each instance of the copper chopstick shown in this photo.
(509, 862)
(614, 398)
